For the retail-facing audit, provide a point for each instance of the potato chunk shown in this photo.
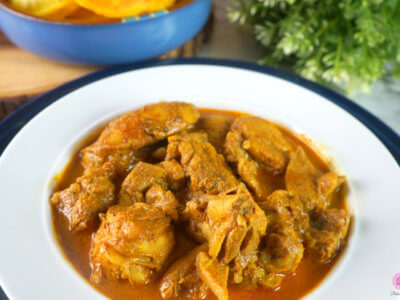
(132, 243)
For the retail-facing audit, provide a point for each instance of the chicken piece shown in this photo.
(175, 174)
(121, 140)
(304, 180)
(328, 229)
(280, 255)
(214, 274)
(283, 250)
(327, 184)
(259, 151)
(206, 169)
(115, 152)
(283, 207)
(165, 200)
(226, 221)
(131, 243)
(182, 279)
(246, 256)
(148, 183)
(192, 275)
(117, 161)
(301, 177)
(216, 126)
(221, 211)
(84, 199)
(264, 142)
(139, 180)
(254, 275)
(248, 169)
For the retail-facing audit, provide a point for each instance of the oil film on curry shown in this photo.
(170, 201)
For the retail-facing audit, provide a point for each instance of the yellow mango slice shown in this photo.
(124, 8)
(45, 8)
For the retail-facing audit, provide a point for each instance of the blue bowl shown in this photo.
(132, 40)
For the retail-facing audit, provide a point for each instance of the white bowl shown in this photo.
(31, 263)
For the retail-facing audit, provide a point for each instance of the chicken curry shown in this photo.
(170, 201)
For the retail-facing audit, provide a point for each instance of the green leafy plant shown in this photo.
(344, 43)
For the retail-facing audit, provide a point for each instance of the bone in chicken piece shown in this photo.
(124, 137)
(84, 199)
(214, 274)
(303, 180)
(132, 243)
(148, 183)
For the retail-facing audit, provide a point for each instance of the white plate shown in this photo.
(31, 263)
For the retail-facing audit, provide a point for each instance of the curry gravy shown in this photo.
(76, 245)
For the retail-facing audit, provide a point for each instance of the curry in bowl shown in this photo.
(170, 201)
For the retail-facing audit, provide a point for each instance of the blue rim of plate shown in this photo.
(10, 126)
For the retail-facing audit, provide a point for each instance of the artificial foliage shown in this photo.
(344, 43)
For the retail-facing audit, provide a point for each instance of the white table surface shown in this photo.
(232, 41)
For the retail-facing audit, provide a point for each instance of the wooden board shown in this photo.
(24, 75)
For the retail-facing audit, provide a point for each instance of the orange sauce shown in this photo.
(76, 245)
